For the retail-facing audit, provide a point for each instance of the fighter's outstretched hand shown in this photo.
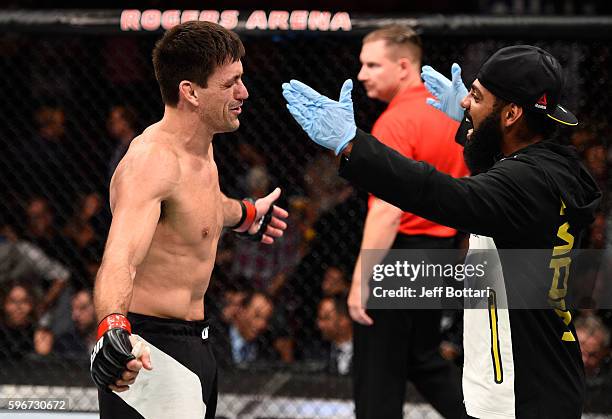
(269, 219)
(328, 123)
(448, 93)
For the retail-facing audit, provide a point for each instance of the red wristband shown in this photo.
(251, 213)
(113, 321)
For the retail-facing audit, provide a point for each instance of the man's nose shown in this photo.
(242, 92)
(362, 75)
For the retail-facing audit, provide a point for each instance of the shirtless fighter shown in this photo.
(168, 212)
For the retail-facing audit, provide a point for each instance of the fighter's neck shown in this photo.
(187, 130)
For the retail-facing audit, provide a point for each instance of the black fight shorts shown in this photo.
(183, 381)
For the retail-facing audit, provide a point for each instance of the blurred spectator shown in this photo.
(53, 161)
(17, 321)
(40, 224)
(20, 259)
(595, 161)
(83, 238)
(266, 267)
(121, 126)
(78, 342)
(337, 236)
(597, 235)
(243, 340)
(336, 327)
(451, 326)
(232, 300)
(124, 65)
(43, 341)
(323, 187)
(334, 282)
(581, 138)
(299, 211)
(255, 180)
(594, 338)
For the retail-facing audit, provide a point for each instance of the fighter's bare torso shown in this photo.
(173, 277)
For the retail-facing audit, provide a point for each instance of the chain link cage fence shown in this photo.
(74, 94)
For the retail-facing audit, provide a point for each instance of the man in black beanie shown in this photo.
(528, 192)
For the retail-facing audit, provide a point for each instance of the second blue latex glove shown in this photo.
(327, 122)
(448, 93)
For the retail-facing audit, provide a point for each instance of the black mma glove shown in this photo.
(112, 351)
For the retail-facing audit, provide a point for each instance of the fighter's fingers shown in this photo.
(279, 212)
(134, 365)
(119, 389)
(267, 239)
(277, 223)
(272, 196)
(146, 358)
(122, 383)
(128, 375)
(273, 232)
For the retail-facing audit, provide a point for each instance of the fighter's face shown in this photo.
(380, 73)
(221, 101)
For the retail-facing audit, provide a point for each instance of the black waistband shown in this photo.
(142, 323)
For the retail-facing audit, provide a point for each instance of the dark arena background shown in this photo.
(76, 84)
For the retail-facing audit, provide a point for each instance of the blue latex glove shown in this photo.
(327, 122)
(448, 93)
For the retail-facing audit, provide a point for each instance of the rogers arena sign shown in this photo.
(296, 20)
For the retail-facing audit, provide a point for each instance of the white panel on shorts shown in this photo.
(169, 390)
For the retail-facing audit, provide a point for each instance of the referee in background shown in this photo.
(391, 346)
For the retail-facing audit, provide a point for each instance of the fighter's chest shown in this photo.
(195, 210)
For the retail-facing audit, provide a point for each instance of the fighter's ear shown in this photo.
(510, 114)
(188, 91)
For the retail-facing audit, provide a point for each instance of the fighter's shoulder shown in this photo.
(146, 153)
(152, 165)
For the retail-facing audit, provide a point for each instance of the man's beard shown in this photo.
(484, 145)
